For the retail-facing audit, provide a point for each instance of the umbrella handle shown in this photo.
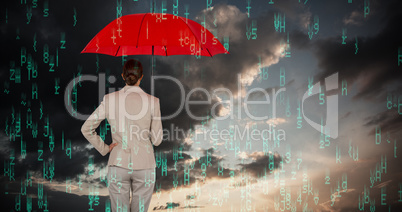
(152, 70)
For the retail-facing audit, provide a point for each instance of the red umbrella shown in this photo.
(156, 34)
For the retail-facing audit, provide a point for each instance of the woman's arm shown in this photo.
(90, 125)
(156, 124)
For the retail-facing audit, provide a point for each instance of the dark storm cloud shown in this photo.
(214, 165)
(388, 121)
(375, 65)
(55, 200)
(176, 170)
(299, 39)
(172, 205)
(262, 164)
(64, 167)
(181, 158)
(169, 205)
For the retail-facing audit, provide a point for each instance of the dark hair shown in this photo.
(132, 71)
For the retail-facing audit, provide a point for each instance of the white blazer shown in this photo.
(135, 122)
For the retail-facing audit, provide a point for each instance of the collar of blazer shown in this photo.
(131, 88)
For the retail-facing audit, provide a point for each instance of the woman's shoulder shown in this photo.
(152, 97)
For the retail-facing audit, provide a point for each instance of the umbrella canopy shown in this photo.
(154, 34)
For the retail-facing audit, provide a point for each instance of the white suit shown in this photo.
(135, 122)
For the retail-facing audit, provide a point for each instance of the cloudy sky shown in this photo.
(332, 71)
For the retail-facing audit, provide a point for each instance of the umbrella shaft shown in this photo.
(152, 70)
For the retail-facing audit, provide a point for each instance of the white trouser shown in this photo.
(121, 181)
